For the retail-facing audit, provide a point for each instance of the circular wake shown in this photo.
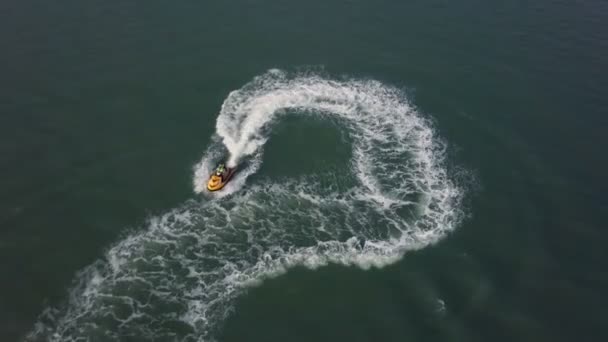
(178, 278)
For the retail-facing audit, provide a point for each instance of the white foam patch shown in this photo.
(440, 306)
(178, 278)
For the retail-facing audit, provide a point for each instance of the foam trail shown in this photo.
(177, 279)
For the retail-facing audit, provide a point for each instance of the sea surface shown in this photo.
(406, 170)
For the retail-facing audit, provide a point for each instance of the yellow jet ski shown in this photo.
(220, 177)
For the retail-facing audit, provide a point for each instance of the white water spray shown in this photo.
(187, 267)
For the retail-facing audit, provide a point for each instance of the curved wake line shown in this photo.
(178, 279)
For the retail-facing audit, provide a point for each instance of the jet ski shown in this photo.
(220, 176)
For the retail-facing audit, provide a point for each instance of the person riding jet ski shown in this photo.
(220, 177)
(220, 170)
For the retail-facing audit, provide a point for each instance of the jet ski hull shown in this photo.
(216, 183)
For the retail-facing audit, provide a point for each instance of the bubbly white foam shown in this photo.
(179, 277)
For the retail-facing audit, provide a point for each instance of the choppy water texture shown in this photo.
(178, 277)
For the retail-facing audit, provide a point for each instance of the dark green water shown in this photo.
(106, 106)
